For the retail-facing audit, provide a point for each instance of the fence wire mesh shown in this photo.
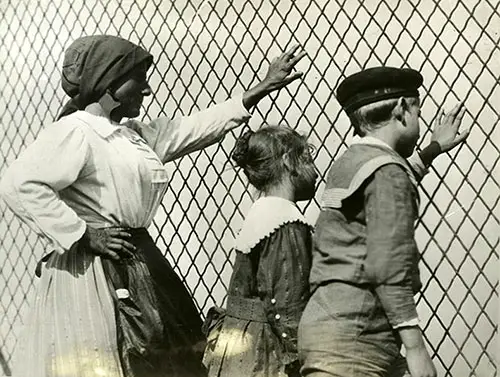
(208, 50)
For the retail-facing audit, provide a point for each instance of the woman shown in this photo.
(108, 303)
(269, 286)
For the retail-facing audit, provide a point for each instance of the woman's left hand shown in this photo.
(279, 74)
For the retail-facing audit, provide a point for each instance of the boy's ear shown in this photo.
(400, 109)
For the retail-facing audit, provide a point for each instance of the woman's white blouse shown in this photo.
(84, 169)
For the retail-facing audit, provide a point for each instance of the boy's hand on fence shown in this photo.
(108, 242)
(446, 130)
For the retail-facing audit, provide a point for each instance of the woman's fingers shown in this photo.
(121, 246)
(295, 59)
(118, 232)
(110, 254)
(125, 244)
(292, 77)
(115, 243)
(289, 54)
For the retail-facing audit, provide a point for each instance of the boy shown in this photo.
(365, 259)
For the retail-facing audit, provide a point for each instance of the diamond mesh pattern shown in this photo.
(208, 50)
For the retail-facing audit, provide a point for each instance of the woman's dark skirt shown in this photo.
(159, 326)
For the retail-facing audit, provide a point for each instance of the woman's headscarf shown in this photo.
(93, 63)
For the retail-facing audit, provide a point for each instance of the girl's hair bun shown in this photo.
(240, 151)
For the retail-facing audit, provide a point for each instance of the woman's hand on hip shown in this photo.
(108, 242)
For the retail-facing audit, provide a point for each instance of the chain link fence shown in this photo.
(208, 50)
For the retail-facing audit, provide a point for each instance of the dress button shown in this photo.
(277, 316)
(284, 335)
(273, 301)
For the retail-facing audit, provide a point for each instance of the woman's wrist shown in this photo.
(253, 95)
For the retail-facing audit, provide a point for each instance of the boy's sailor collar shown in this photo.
(333, 196)
(370, 140)
(266, 215)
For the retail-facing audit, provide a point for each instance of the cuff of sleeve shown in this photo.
(398, 303)
(69, 237)
(410, 323)
(429, 153)
(418, 165)
(236, 104)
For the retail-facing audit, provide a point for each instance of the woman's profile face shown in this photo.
(130, 92)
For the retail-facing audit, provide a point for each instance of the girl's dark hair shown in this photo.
(260, 154)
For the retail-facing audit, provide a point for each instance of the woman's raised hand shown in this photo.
(279, 74)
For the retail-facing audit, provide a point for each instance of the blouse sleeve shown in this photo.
(174, 138)
(283, 276)
(30, 184)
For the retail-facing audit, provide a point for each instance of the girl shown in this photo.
(257, 334)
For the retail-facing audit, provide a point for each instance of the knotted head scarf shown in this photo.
(93, 63)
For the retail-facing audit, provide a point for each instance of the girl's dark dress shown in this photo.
(257, 334)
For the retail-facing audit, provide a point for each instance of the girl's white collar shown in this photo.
(266, 215)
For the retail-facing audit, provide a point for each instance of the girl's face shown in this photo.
(304, 181)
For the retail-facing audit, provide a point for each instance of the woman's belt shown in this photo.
(250, 309)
